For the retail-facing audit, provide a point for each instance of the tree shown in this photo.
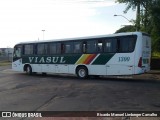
(155, 24)
(148, 17)
(134, 4)
(128, 28)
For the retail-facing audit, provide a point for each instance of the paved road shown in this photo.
(20, 92)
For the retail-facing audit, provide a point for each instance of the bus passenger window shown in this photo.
(111, 45)
(77, 47)
(84, 47)
(52, 48)
(42, 49)
(62, 48)
(68, 47)
(100, 46)
(28, 49)
(127, 44)
(58, 48)
(91, 46)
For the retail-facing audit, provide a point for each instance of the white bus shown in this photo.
(117, 54)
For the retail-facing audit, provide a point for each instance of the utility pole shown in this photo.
(43, 33)
(127, 20)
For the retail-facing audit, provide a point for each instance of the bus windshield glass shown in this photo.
(17, 52)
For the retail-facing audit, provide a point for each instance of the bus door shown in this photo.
(17, 58)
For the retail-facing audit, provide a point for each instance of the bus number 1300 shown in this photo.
(124, 59)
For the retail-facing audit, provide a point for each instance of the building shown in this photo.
(6, 54)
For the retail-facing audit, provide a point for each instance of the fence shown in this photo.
(5, 58)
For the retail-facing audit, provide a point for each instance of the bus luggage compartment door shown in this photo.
(119, 70)
(61, 68)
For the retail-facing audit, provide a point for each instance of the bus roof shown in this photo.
(86, 37)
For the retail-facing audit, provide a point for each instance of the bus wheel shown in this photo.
(82, 72)
(28, 70)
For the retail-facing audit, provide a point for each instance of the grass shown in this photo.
(156, 55)
(5, 63)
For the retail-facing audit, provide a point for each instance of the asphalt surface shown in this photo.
(21, 92)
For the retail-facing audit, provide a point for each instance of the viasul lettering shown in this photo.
(47, 60)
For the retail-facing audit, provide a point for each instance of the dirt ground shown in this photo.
(151, 75)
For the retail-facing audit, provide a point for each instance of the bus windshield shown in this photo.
(17, 51)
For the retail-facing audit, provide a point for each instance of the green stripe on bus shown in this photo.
(62, 59)
(103, 59)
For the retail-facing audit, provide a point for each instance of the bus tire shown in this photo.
(29, 70)
(82, 72)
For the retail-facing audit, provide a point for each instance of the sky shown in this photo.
(24, 20)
